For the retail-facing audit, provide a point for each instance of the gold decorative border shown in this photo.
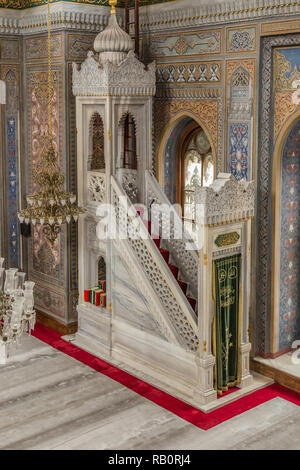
(280, 27)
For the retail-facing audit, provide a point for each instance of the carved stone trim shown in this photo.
(84, 18)
(225, 200)
(128, 180)
(96, 187)
(130, 77)
(220, 13)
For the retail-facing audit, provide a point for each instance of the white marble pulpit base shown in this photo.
(259, 381)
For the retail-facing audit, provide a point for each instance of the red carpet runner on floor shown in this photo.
(163, 399)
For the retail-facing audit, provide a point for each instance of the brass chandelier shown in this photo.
(51, 206)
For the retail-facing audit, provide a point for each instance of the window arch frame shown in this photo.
(95, 115)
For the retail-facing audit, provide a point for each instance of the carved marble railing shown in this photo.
(128, 180)
(96, 186)
(170, 306)
(183, 249)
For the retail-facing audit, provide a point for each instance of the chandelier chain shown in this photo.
(50, 87)
(50, 206)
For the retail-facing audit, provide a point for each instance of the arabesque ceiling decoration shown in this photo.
(22, 4)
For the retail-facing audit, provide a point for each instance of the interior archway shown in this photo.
(286, 241)
(187, 159)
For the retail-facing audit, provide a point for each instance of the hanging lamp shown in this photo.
(51, 206)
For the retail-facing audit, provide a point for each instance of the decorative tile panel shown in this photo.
(45, 261)
(11, 75)
(185, 44)
(9, 49)
(238, 150)
(264, 183)
(232, 65)
(241, 40)
(227, 239)
(279, 27)
(289, 302)
(50, 301)
(286, 68)
(37, 48)
(240, 80)
(79, 45)
(189, 73)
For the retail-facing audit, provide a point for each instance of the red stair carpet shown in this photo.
(163, 399)
(166, 256)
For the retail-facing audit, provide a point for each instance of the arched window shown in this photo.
(97, 158)
(101, 269)
(130, 156)
(198, 171)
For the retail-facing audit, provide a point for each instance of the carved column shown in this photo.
(224, 212)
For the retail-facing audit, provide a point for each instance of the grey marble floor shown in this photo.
(50, 401)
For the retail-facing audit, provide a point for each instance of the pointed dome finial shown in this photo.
(113, 43)
(113, 4)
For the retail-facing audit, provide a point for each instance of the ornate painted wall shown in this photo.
(199, 58)
(54, 269)
(279, 69)
(46, 264)
(191, 78)
(289, 298)
(241, 103)
(10, 72)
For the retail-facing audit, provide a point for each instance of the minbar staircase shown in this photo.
(167, 258)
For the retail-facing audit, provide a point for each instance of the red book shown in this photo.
(98, 293)
(86, 295)
(103, 300)
(102, 285)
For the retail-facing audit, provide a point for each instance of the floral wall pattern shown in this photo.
(289, 302)
(241, 40)
(286, 63)
(12, 168)
(46, 264)
(11, 74)
(239, 155)
(240, 78)
(185, 44)
(46, 260)
(267, 138)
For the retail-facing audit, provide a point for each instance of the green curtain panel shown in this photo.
(227, 322)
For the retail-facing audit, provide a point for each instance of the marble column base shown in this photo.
(246, 381)
(246, 377)
(205, 392)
